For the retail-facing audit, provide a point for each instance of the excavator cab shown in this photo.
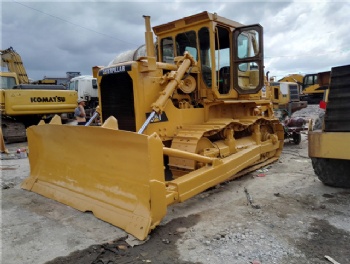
(176, 122)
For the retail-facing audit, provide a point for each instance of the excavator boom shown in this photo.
(13, 61)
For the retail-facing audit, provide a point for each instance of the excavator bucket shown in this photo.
(117, 175)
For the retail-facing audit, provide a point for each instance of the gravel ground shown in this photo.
(282, 214)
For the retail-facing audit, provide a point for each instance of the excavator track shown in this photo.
(13, 131)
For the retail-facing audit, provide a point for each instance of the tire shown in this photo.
(296, 138)
(332, 172)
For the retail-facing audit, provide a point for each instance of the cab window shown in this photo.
(222, 59)
(7, 82)
(205, 59)
(94, 84)
(247, 54)
(187, 42)
(243, 51)
(167, 48)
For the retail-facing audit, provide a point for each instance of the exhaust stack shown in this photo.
(149, 37)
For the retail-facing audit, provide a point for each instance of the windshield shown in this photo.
(71, 86)
(249, 59)
(7, 82)
(243, 46)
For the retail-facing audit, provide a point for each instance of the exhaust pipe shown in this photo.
(149, 37)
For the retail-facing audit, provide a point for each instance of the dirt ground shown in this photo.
(282, 214)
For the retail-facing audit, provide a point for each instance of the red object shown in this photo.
(261, 175)
(323, 105)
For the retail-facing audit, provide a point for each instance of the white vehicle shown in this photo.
(86, 86)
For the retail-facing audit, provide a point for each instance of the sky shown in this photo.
(55, 37)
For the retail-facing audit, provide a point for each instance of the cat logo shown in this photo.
(158, 118)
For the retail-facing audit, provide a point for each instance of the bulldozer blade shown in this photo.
(117, 175)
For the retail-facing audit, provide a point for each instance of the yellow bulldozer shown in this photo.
(312, 90)
(184, 117)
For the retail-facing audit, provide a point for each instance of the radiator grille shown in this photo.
(117, 99)
(294, 94)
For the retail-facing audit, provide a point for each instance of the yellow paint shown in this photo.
(205, 137)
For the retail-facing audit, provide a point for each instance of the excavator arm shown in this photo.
(13, 61)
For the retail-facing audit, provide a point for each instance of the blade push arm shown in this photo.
(175, 78)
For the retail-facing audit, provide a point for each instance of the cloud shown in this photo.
(56, 37)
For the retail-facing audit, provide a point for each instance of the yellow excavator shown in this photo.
(311, 86)
(175, 122)
(311, 91)
(22, 103)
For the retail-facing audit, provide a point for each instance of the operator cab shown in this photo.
(309, 80)
(229, 55)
